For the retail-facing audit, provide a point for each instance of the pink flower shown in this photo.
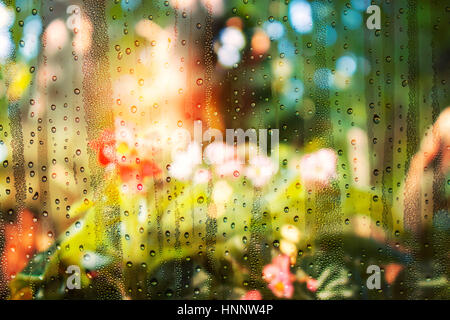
(224, 158)
(229, 168)
(261, 170)
(218, 153)
(312, 284)
(319, 167)
(252, 295)
(279, 277)
(202, 176)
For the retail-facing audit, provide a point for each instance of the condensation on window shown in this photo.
(212, 149)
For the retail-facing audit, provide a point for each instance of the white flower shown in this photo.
(260, 170)
(288, 248)
(223, 157)
(201, 176)
(124, 133)
(222, 192)
(232, 37)
(185, 162)
(3, 152)
(319, 167)
(228, 168)
(218, 153)
(290, 233)
(180, 169)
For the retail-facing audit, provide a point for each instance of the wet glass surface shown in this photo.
(212, 149)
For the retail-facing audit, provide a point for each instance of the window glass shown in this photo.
(212, 149)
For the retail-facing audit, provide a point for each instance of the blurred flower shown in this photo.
(364, 227)
(274, 29)
(289, 249)
(342, 80)
(180, 169)
(216, 6)
(6, 43)
(260, 170)
(312, 284)
(183, 4)
(6, 16)
(55, 36)
(31, 33)
(218, 153)
(146, 168)
(292, 91)
(222, 156)
(235, 22)
(20, 243)
(252, 295)
(300, 16)
(358, 156)
(281, 68)
(118, 150)
(391, 271)
(82, 28)
(279, 278)
(185, 162)
(346, 65)
(20, 82)
(435, 143)
(228, 56)
(319, 167)
(287, 48)
(260, 42)
(232, 41)
(222, 192)
(104, 145)
(123, 136)
(202, 176)
(434, 147)
(233, 37)
(229, 168)
(3, 151)
(290, 233)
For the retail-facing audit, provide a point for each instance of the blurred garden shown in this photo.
(101, 197)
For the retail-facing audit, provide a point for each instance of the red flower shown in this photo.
(126, 172)
(129, 166)
(20, 240)
(143, 169)
(279, 277)
(149, 168)
(391, 271)
(252, 295)
(105, 145)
